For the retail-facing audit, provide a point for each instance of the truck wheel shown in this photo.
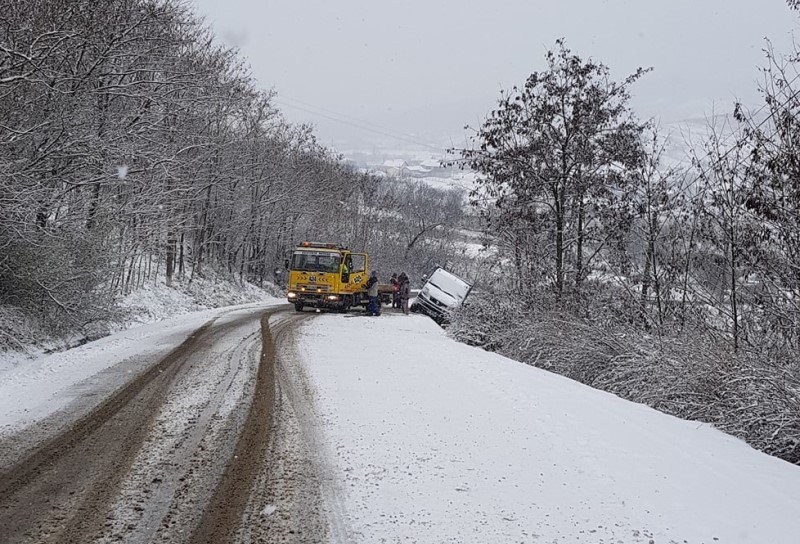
(298, 306)
(415, 307)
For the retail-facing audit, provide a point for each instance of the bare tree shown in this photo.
(550, 144)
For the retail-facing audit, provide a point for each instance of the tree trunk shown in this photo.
(734, 307)
(171, 241)
(559, 272)
(579, 250)
(180, 257)
(646, 277)
(94, 204)
(656, 280)
(518, 264)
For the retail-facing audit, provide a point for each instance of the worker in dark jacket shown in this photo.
(395, 291)
(372, 292)
(405, 292)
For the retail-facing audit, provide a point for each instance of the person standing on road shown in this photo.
(372, 292)
(405, 292)
(395, 291)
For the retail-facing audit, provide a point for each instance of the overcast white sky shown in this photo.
(428, 67)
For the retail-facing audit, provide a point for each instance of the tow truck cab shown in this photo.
(326, 276)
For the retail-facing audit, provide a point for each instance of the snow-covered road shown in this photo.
(163, 438)
(261, 424)
(433, 441)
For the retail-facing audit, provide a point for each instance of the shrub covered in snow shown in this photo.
(22, 332)
(54, 279)
(17, 329)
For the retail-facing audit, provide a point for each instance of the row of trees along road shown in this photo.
(133, 146)
(677, 285)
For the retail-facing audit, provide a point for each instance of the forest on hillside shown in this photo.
(134, 146)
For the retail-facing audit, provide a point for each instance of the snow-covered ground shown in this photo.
(423, 439)
(435, 441)
(151, 302)
(156, 301)
(33, 389)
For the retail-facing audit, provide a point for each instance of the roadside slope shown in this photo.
(435, 441)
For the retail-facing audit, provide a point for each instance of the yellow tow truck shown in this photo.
(325, 275)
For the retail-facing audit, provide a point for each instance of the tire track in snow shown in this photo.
(328, 511)
(161, 469)
(59, 493)
(127, 471)
(222, 519)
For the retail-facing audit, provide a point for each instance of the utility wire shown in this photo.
(346, 120)
(345, 116)
(371, 127)
(758, 126)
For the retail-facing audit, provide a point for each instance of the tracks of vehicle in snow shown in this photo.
(295, 499)
(211, 444)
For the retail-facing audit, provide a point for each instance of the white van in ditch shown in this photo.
(442, 293)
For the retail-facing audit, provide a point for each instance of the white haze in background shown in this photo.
(422, 69)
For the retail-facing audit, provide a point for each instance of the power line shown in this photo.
(724, 156)
(346, 120)
(371, 127)
(362, 127)
(345, 116)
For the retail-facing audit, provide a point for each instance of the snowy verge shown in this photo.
(22, 338)
(41, 386)
(156, 301)
(436, 441)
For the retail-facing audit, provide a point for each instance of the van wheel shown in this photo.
(298, 306)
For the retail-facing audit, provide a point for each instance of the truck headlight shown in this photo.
(333, 297)
(292, 295)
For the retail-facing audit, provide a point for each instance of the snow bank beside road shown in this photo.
(22, 337)
(155, 302)
(435, 441)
